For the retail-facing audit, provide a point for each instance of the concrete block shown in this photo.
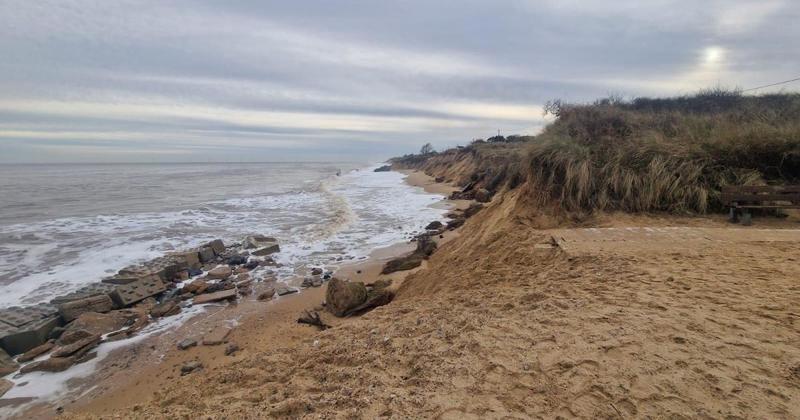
(129, 294)
(213, 297)
(99, 303)
(206, 254)
(191, 258)
(267, 250)
(217, 245)
(89, 290)
(16, 340)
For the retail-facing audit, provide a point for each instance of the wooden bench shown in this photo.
(742, 199)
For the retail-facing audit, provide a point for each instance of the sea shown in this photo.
(63, 226)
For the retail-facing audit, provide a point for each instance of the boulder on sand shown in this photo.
(434, 225)
(167, 308)
(342, 296)
(483, 195)
(91, 323)
(52, 364)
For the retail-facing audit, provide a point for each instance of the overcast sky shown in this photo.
(253, 80)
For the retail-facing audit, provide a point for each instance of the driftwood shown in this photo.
(312, 318)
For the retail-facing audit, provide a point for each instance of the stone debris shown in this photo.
(53, 364)
(71, 325)
(258, 241)
(282, 290)
(186, 343)
(36, 352)
(217, 245)
(220, 273)
(231, 348)
(22, 329)
(167, 308)
(7, 364)
(345, 298)
(131, 293)
(77, 347)
(99, 303)
(216, 296)
(217, 336)
(266, 294)
(5, 386)
(267, 250)
(190, 367)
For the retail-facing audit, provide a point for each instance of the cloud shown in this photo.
(315, 79)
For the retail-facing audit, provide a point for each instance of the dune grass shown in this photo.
(671, 154)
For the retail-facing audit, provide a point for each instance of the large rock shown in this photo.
(483, 195)
(434, 225)
(167, 308)
(217, 245)
(384, 168)
(342, 296)
(53, 364)
(216, 296)
(375, 297)
(91, 323)
(206, 254)
(221, 273)
(71, 310)
(77, 348)
(5, 386)
(267, 250)
(7, 364)
(36, 352)
(258, 241)
(197, 286)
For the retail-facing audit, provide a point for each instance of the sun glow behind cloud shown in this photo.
(307, 80)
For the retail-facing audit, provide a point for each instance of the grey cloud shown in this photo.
(316, 80)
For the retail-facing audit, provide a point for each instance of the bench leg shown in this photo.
(733, 216)
(747, 218)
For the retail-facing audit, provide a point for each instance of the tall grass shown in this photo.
(670, 154)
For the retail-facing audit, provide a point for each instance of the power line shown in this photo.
(773, 84)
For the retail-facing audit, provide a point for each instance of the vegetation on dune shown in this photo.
(640, 155)
(670, 154)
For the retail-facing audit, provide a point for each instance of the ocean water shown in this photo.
(63, 226)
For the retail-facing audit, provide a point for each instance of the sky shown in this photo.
(347, 80)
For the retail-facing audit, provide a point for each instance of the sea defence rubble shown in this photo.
(71, 325)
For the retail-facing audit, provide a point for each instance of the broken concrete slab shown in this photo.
(36, 351)
(16, 340)
(222, 272)
(76, 347)
(206, 254)
(218, 335)
(71, 310)
(5, 386)
(53, 364)
(216, 296)
(131, 293)
(282, 290)
(84, 292)
(258, 241)
(7, 364)
(191, 257)
(217, 245)
(186, 343)
(267, 250)
(164, 309)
